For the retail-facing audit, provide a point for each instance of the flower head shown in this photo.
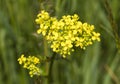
(65, 33)
(30, 63)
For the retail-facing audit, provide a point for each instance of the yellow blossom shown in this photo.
(30, 63)
(65, 33)
(22, 59)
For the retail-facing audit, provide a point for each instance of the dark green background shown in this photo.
(98, 64)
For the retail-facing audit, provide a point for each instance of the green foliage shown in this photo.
(99, 64)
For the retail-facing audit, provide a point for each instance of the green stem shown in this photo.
(50, 77)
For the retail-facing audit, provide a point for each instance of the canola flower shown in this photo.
(30, 63)
(65, 33)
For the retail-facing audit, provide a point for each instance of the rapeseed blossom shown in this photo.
(65, 33)
(30, 63)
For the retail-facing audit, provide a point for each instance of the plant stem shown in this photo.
(50, 77)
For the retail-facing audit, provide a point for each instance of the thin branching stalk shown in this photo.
(113, 24)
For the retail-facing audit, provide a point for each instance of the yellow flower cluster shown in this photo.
(30, 64)
(64, 33)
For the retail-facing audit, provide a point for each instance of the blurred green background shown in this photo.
(98, 64)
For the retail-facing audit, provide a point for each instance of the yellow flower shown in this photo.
(36, 60)
(96, 36)
(22, 59)
(65, 33)
(30, 63)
